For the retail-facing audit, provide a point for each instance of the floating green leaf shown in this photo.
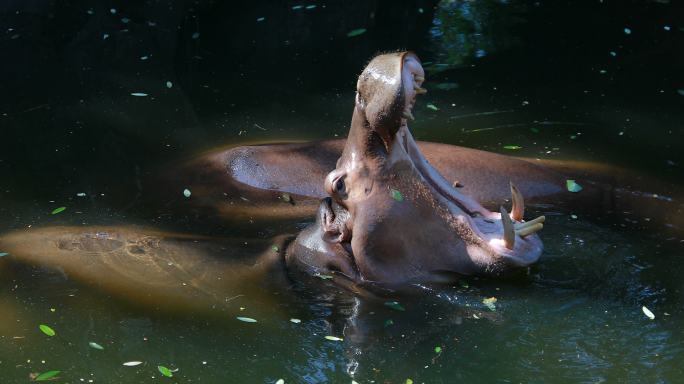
(356, 32)
(535, 130)
(95, 345)
(438, 349)
(58, 210)
(286, 197)
(3, 254)
(446, 86)
(165, 371)
(647, 312)
(333, 338)
(432, 107)
(490, 303)
(47, 375)
(389, 322)
(396, 195)
(463, 284)
(512, 147)
(573, 186)
(409, 381)
(246, 319)
(275, 248)
(395, 305)
(47, 330)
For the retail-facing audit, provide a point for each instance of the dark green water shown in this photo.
(600, 82)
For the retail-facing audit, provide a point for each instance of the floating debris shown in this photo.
(323, 277)
(275, 248)
(165, 371)
(296, 7)
(333, 338)
(432, 107)
(113, 11)
(169, 84)
(286, 197)
(3, 254)
(280, 381)
(81, 194)
(310, 7)
(261, 19)
(132, 363)
(490, 302)
(95, 345)
(681, 92)
(195, 35)
(105, 36)
(139, 94)
(396, 195)
(395, 305)
(627, 31)
(246, 319)
(648, 312)
(572, 186)
(47, 375)
(47, 330)
(58, 210)
(296, 321)
(187, 193)
(356, 32)
(125, 20)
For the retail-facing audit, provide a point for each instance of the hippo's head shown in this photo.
(391, 217)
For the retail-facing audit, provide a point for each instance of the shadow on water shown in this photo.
(595, 82)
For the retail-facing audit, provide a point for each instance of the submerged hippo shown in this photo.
(392, 211)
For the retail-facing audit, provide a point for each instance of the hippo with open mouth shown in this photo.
(385, 215)
(390, 216)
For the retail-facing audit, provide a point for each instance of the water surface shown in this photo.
(594, 81)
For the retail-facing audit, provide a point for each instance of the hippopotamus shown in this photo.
(390, 216)
(388, 210)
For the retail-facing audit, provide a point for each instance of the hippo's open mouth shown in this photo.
(388, 206)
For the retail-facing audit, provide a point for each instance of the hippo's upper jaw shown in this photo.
(391, 216)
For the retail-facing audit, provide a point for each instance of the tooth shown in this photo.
(408, 114)
(508, 233)
(530, 230)
(519, 226)
(518, 208)
(419, 90)
(419, 78)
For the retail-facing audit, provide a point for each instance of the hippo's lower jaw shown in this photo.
(391, 217)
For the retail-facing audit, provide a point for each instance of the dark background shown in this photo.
(69, 122)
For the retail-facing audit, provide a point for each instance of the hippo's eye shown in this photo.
(339, 185)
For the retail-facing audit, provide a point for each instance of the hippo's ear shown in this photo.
(380, 95)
